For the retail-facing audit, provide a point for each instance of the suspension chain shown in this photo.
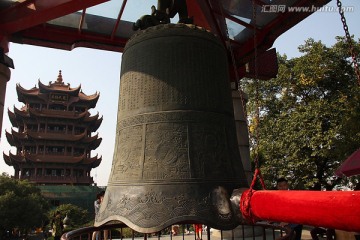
(255, 38)
(257, 97)
(349, 40)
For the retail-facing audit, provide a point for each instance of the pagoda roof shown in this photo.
(93, 162)
(89, 99)
(96, 124)
(94, 142)
(23, 93)
(19, 135)
(32, 91)
(93, 122)
(8, 160)
(89, 118)
(56, 136)
(56, 114)
(91, 139)
(54, 158)
(13, 141)
(16, 137)
(13, 119)
(57, 86)
(18, 114)
(13, 159)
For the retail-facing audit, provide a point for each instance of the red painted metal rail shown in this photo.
(330, 209)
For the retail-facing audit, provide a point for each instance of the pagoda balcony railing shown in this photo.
(57, 153)
(42, 153)
(77, 132)
(60, 154)
(58, 131)
(60, 179)
(54, 112)
(49, 131)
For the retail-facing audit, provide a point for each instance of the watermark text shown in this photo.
(283, 8)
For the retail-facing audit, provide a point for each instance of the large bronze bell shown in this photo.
(176, 157)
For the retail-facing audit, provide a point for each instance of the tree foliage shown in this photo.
(21, 205)
(77, 216)
(309, 116)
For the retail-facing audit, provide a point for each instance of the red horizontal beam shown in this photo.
(329, 209)
(67, 39)
(34, 12)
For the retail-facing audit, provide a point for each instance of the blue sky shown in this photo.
(99, 71)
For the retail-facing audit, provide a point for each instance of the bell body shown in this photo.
(176, 157)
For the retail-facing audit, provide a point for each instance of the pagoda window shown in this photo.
(33, 149)
(78, 151)
(79, 130)
(53, 172)
(56, 128)
(56, 150)
(39, 172)
(32, 127)
(79, 172)
(68, 150)
(42, 127)
(48, 172)
(30, 149)
(35, 105)
(80, 109)
(58, 107)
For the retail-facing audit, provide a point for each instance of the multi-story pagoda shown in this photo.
(54, 135)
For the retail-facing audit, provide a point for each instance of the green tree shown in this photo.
(77, 216)
(308, 116)
(21, 205)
